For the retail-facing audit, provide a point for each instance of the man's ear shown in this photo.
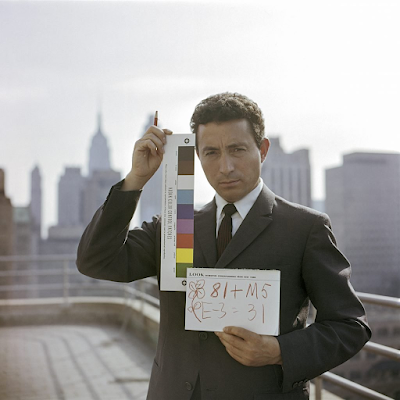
(264, 148)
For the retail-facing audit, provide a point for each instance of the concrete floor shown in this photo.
(74, 362)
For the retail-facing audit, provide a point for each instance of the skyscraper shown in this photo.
(36, 199)
(64, 237)
(24, 237)
(95, 191)
(288, 174)
(99, 154)
(101, 175)
(6, 231)
(363, 201)
(70, 188)
(6, 219)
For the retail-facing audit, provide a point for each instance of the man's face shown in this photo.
(230, 157)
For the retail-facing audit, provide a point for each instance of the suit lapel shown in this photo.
(256, 221)
(204, 231)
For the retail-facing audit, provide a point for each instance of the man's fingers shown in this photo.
(230, 347)
(145, 147)
(241, 333)
(234, 355)
(156, 136)
(231, 341)
(160, 133)
(249, 348)
(236, 348)
(151, 142)
(239, 357)
(147, 156)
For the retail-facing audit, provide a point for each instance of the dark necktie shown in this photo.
(225, 229)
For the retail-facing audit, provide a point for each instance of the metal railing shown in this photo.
(379, 349)
(64, 286)
(140, 291)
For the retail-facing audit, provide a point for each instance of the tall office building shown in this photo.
(288, 174)
(6, 219)
(363, 201)
(6, 232)
(64, 237)
(99, 153)
(70, 188)
(35, 209)
(95, 191)
(25, 244)
(101, 176)
(36, 198)
(150, 199)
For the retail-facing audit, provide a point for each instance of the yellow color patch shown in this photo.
(184, 255)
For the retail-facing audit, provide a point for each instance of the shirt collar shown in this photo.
(244, 205)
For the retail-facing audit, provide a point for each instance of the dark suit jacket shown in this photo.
(275, 234)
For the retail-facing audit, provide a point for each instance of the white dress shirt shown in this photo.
(243, 206)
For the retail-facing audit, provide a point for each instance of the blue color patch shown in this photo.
(185, 196)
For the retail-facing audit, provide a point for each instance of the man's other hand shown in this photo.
(249, 348)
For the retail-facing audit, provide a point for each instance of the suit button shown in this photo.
(189, 386)
(295, 384)
(203, 335)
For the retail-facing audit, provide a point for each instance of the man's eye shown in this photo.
(210, 153)
(238, 149)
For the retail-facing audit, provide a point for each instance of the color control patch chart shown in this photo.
(177, 211)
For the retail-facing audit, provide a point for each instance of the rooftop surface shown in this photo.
(72, 362)
(77, 362)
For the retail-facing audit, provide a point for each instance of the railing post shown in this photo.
(141, 289)
(318, 388)
(126, 294)
(66, 282)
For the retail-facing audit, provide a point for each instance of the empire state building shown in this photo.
(100, 175)
(99, 153)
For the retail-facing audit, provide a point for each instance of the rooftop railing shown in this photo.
(31, 277)
(371, 347)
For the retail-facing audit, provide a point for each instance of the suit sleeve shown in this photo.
(109, 251)
(340, 329)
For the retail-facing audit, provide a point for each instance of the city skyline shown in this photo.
(325, 75)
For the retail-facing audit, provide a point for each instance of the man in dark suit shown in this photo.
(267, 233)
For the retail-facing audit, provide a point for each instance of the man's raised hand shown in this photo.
(146, 159)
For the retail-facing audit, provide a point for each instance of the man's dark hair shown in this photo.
(227, 107)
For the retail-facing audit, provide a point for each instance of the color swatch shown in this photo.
(185, 210)
(177, 223)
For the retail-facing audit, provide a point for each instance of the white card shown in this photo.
(216, 298)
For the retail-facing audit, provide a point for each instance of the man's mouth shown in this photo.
(230, 182)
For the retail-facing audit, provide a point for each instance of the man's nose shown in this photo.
(226, 165)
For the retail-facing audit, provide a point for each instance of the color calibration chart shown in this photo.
(177, 211)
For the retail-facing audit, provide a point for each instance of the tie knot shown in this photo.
(229, 209)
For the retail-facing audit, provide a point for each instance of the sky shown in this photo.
(325, 73)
